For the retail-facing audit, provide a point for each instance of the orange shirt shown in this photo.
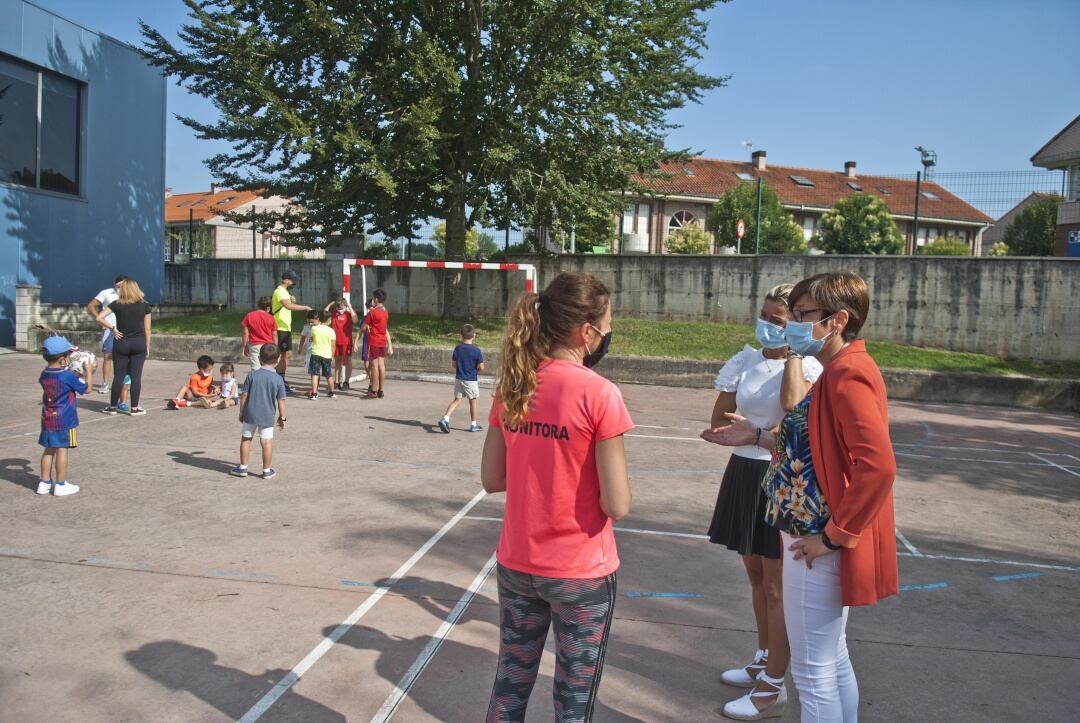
(200, 384)
(853, 458)
(552, 524)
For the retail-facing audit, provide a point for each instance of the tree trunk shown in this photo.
(456, 302)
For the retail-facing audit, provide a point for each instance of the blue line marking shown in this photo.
(1019, 576)
(239, 575)
(364, 583)
(926, 586)
(664, 594)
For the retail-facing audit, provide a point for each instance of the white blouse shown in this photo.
(756, 383)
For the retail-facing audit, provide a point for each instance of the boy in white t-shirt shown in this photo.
(102, 299)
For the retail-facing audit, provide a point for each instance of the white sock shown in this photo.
(446, 418)
(242, 466)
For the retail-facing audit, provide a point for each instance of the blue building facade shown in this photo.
(82, 161)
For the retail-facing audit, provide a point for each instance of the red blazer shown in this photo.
(855, 466)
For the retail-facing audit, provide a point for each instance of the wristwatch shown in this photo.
(792, 354)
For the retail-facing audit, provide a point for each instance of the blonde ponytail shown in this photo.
(521, 354)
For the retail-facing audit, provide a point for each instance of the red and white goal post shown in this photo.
(528, 269)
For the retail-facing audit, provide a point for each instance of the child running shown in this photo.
(468, 360)
(199, 387)
(376, 324)
(555, 446)
(322, 355)
(262, 398)
(59, 416)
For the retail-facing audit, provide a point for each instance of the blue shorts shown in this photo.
(320, 367)
(107, 341)
(64, 438)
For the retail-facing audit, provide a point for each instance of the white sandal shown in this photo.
(739, 678)
(744, 708)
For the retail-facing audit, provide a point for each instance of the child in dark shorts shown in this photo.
(59, 416)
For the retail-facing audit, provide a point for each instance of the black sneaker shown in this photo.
(344, 385)
(109, 410)
(137, 411)
(330, 395)
(380, 394)
(312, 395)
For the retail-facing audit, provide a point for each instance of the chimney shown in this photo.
(849, 169)
(168, 192)
(758, 159)
(215, 187)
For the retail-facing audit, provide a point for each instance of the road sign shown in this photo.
(740, 229)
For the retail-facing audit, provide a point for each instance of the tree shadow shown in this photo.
(192, 459)
(429, 428)
(179, 666)
(19, 472)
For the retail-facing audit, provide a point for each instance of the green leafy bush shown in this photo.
(690, 239)
(1031, 233)
(860, 224)
(945, 246)
(779, 232)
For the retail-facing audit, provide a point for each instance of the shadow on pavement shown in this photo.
(19, 472)
(429, 428)
(179, 666)
(192, 459)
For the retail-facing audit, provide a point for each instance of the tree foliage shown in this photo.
(1032, 232)
(860, 224)
(779, 232)
(690, 239)
(945, 246)
(999, 249)
(377, 115)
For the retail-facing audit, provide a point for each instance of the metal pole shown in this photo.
(915, 224)
(506, 238)
(254, 253)
(191, 232)
(757, 220)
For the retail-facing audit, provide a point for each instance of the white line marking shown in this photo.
(390, 705)
(660, 436)
(327, 642)
(657, 426)
(908, 545)
(1054, 464)
(1017, 563)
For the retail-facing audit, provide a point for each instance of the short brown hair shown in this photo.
(841, 291)
(268, 354)
(468, 331)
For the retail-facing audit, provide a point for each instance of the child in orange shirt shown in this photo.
(200, 386)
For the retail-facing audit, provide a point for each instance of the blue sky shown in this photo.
(815, 82)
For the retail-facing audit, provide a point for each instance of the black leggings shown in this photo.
(128, 357)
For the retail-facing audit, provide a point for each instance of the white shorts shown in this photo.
(466, 390)
(248, 431)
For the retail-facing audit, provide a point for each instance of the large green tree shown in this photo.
(779, 232)
(376, 114)
(1031, 233)
(860, 224)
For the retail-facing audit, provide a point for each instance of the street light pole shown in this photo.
(915, 225)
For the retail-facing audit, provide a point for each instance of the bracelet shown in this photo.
(792, 354)
(282, 419)
(829, 543)
(758, 437)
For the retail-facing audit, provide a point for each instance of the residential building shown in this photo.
(1063, 152)
(82, 161)
(207, 225)
(687, 192)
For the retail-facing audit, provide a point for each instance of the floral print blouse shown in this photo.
(794, 502)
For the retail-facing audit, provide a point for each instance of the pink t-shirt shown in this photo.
(553, 525)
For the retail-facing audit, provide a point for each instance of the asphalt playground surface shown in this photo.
(167, 590)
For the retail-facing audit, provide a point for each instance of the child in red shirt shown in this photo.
(342, 318)
(376, 325)
(555, 447)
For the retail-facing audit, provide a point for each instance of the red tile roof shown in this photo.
(711, 178)
(179, 207)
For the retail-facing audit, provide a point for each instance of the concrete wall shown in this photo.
(1024, 308)
(75, 245)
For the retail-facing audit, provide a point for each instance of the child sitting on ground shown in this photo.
(468, 360)
(228, 391)
(200, 385)
(322, 355)
(59, 416)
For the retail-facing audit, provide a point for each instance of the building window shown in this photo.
(44, 155)
(809, 226)
(680, 219)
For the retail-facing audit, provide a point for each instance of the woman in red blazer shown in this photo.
(829, 491)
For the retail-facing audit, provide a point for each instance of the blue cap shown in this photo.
(56, 345)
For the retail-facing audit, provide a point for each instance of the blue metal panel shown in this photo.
(10, 22)
(72, 246)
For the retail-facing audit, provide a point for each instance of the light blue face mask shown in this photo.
(771, 336)
(800, 337)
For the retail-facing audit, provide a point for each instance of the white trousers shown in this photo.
(816, 624)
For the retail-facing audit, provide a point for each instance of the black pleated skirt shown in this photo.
(738, 522)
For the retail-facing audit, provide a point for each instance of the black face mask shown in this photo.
(593, 357)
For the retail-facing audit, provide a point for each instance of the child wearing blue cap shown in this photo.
(59, 417)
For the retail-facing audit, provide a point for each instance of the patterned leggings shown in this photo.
(582, 611)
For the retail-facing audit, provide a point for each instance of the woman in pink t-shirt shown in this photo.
(555, 447)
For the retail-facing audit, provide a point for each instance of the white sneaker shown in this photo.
(44, 487)
(63, 489)
(744, 709)
(739, 678)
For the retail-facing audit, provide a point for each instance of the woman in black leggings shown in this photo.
(132, 345)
